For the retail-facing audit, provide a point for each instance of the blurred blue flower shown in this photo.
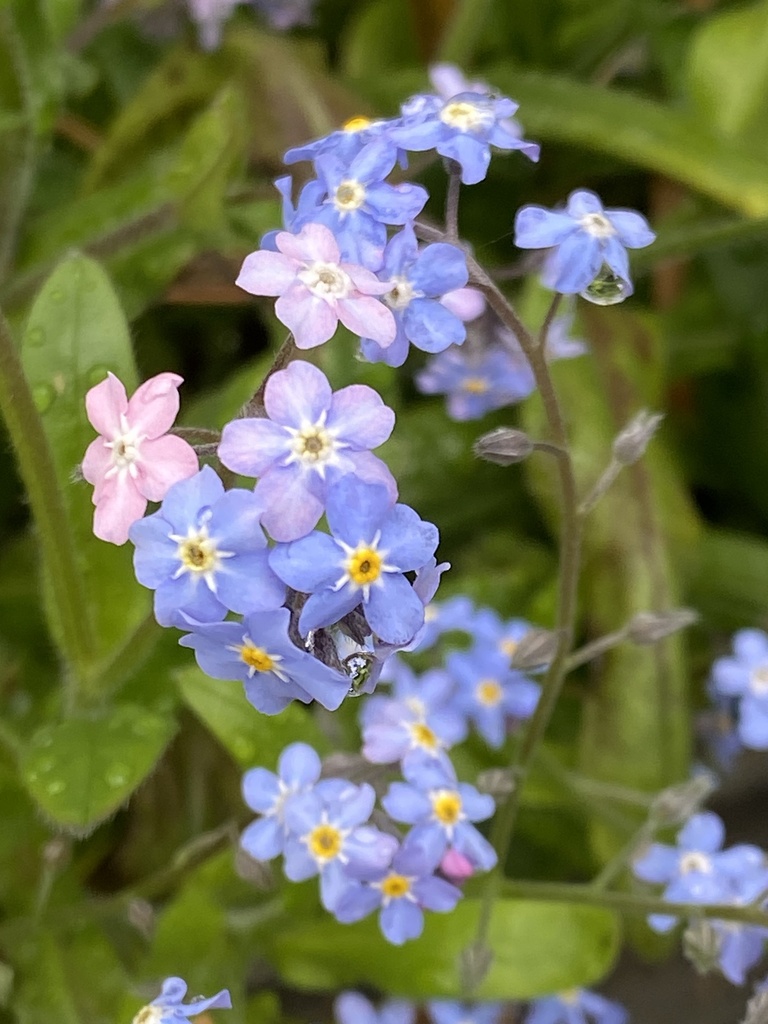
(476, 382)
(444, 1011)
(579, 1006)
(744, 676)
(352, 1008)
(489, 693)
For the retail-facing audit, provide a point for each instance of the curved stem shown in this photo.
(452, 203)
(570, 551)
(255, 404)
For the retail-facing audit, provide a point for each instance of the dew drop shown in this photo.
(116, 775)
(43, 396)
(55, 787)
(607, 289)
(35, 338)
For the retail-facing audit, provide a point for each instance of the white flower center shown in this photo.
(758, 681)
(199, 555)
(402, 293)
(149, 1015)
(326, 280)
(597, 225)
(125, 449)
(314, 446)
(466, 116)
(695, 861)
(349, 196)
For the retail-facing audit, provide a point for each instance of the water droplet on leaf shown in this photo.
(607, 289)
(43, 396)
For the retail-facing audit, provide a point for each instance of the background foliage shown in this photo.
(135, 174)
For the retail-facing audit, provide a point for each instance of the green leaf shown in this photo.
(380, 38)
(728, 579)
(728, 72)
(251, 738)
(80, 771)
(76, 332)
(538, 948)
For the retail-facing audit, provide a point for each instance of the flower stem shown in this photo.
(452, 202)
(255, 404)
(570, 553)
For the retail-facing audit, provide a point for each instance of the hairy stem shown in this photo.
(452, 202)
(255, 404)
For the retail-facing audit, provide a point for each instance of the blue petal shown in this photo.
(439, 269)
(263, 839)
(261, 789)
(405, 803)
(327, 607)
(539, 228)
(355, 510)
(704, 832)
(401, 921)
(183, 502)
(472, 154)
(408, 541)
(574, 264)
(431, 327)
(309, 563)
(299, 765)
(394, 612)
(632, 228)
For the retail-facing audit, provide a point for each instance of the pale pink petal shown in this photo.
(155, 404)
(313, 242)
(465, 303)
(119, 506)
(266, 273)
(104, 404)
(163, 463)
(456, 866)
(366, 282)
(97, 460)
(312, 320)
(369, 318)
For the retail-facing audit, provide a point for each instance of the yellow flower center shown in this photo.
(475, 385)
(464, 115)
(197, 554)
(489, 692)
(396, 886)
(256, 657)
(508, 647)
(423, 736)
(350, 195)
(364, 566)
(356, 124)
(325, 842)
(446, 805)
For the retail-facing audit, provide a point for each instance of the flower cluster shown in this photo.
(578, 1006)
(321, 827)
(699, 870)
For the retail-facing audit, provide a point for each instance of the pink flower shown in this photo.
(316, 290)
(135, 460)
(456, 867)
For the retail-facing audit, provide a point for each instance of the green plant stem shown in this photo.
(557, 892)
(592, 650)
(255, 405)
(39, 475)
(614, 867)
(452, 203)
(570, 552)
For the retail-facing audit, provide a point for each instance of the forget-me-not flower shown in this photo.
(353, 1008)
(204, 552)
(169, 1009)
(583, 237)
(449, 1011)
(489, 693)
(372, 544)
(311, 438)
(577, 1006)
(744, 676)
(259, 652)
(476, 382)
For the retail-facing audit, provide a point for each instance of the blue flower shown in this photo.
(579, 1006)
(311, 438)
(742, 945)
(490, 693)
(352, 1008)
(204, 552)
(267, 793)
(476, 382)
(494, 635)
(328, 838)
(441, 811)
(261, 655)
(584, 237)
(444, 1011)
(169, 1009)
(372, 545)
(346, 143)
(697, 870)
(419, 718)
(418, 280)
(462, 128)
(457, 613)
(401, 893)
(744, 676)
(360, 203)
(295, 217)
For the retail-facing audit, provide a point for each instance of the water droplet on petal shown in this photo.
(607, 289)
(35, 338)
(117, 775)
(43, 396)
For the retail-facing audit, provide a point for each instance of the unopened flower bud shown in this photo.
(496, 782)
(474, 962)
(631, 442)
(536, 649)
(504, 446)
(456, 867)
(675, 805)
(141, 915)
(257, 872)
(650, 627)
(702, 945)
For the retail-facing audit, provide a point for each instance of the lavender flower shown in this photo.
(490, 693)
(352, 1008)
(578, 1006)
(169, 1009)
(476, 382)
(743, 676)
